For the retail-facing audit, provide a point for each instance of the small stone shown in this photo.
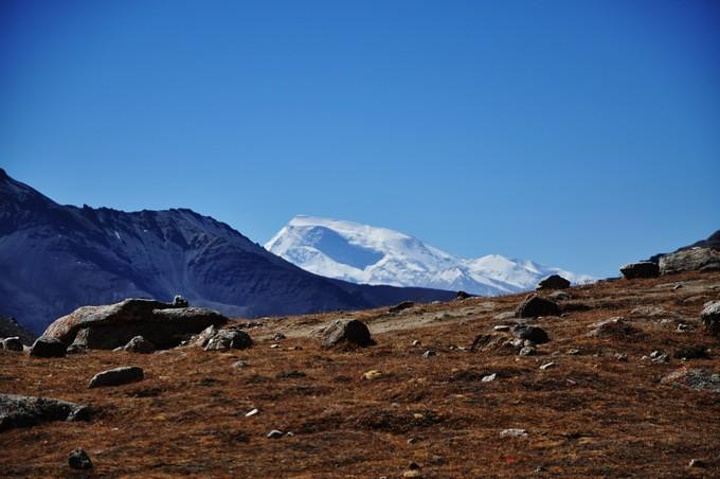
(501, 327)
(489, 378)
(429, 353)
(416, 342)
(682, 327)
(547, 365)
(414, 466)
(289, 434)
(139, 345)
(412, 440)
(573, 352)
(252, 412)
(513, 433)
(79, 459)
(241, 364)
(372, 374)
(697, 463)
(274, 346)
(117, 377)
(527, 351)
(658, 357)
(275, 434)
(279, 337)
(623, 358)
(180, 302)
(412, 473)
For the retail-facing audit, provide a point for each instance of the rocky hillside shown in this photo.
(617, 379)
(55, 258)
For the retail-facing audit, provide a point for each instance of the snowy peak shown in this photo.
(366, 254)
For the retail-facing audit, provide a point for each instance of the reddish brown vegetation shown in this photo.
(590, 415)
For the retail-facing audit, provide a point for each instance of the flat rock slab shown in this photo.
(27, 411)
(117, 377)
(165, 325)
(693, 259)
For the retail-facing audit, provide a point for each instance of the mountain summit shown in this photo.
(55, 258)
(367, 254)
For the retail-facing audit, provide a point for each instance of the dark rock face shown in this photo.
(554, 282)
(531, 333)
(57, 258)
(112, 326)
(46, 347)
(644, 269)
(117, 377)
(225, 339)
(12, 344)
(693, 259)
(710, 317)
(535, 306)
(79, 459)
(139, 345)
(27, 411)
(462, 295)
(351, 331)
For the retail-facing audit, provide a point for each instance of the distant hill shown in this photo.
(367, 254)
(55, 258)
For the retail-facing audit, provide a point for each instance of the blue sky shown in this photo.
(577, 134)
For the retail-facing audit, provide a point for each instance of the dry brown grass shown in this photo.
(589, 416)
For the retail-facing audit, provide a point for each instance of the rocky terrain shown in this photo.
(56, 258)
(616, 379)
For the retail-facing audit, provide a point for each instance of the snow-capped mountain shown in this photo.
(367, 254)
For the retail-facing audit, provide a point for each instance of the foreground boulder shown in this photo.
(554, 282)
(117, 377)
(348, 331)
(27, 411)
(531, 333)
(710, 317)
(693, 259)
(225, 339)
(165, 325)
(535, 306)
(46, 347)
(643, 269)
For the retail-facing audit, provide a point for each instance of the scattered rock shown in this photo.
(79, 459)
(429, 353)
(615, 327)
(643, 269)
(513, 433)
(275, 434)
(278, 336)
(692, 259)
(416, 343)
(489, 378)
(461, 295)
(110, 326)
(414, 466)
(554, 282)
(372, 374)
(547, 366)
(697, 463)
(12, 344)
(232, 338)
(117, 377)
(659, 357)
(252, 412)
(501, 327)
(623, 358)
(535, 306)
(400, 307)
(505, 315)
(76, 349)
(46, 347)
(180, 302)
(573, 352)
(26, 411)
(527, 351)
(290, 374)
(241, 364)
(710, 317)
(531, 333)
(695, 379)
(139, 345)
(351, 331)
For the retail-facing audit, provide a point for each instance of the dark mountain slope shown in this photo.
(55, 258)
(712, 242)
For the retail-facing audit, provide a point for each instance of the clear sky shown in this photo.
(581, 134)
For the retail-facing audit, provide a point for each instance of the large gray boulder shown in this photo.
(27, 411)
(347, 331)
(225, 339)
(534, 306)
(117, 377)
(47, 347)
(693, 259)
(165, 325)
(710, 317)
(643, 269)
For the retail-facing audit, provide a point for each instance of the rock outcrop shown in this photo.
(27, 411)
(643, 269)
(710, 317)
(693, 259)
(108, 327)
